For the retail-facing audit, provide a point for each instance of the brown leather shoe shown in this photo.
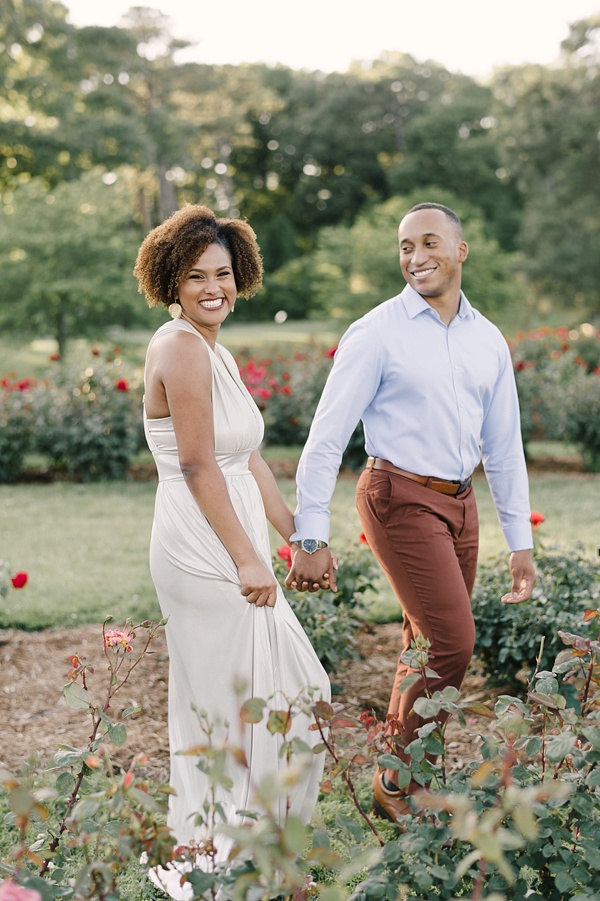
(389, 805)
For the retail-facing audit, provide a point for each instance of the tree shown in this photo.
(67, 255)
(548, 137)
(354, 268)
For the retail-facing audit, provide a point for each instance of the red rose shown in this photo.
(536, 519)
(285, 553)
(331, 352)
(122, 385)
(362, 538)
(54, 357)
(19, 580)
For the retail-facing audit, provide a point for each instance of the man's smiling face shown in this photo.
(431, 254)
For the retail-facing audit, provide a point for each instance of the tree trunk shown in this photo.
(167, 202)
(61, 333)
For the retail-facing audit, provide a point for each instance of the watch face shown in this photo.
(309, 545)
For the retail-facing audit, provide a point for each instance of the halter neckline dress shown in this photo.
(215, 638)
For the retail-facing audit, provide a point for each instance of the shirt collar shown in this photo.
(415, 304)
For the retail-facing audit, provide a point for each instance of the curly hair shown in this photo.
(169, 251)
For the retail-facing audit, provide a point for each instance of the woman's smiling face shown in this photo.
(208, 292)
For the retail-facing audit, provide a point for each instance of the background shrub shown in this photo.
(16, 426)
(508, 636)
(89, 421)
(558, 380)
(580, 403)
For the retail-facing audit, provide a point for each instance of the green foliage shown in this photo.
(16, 426)
(558, 379)
(508, 636)
(67, 257)
(286, 388)
(88, 421)
(299, 152)
(332, 620)
(77, 824)
(581, 401)
(544, 128)
(520, 823)
(356, 267)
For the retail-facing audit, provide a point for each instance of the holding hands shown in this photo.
(310, 572)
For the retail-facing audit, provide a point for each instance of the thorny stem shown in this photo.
(348, 780)
(586, 690)
(479, 881)
(96, 721)
(115, 669)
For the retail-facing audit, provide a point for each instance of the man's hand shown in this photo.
(309, 572)
(523, 577)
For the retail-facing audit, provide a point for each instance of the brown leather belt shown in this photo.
(442, 485)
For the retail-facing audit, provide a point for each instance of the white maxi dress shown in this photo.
(215, 638)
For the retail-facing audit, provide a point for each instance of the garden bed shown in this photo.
(37, 719)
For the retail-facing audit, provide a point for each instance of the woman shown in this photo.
(210, 557)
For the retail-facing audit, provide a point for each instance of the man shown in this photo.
(432, 381)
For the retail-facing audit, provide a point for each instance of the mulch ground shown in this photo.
(36, 719)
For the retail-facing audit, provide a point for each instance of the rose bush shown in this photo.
(89, 420)
(16, 425)
(558, 380)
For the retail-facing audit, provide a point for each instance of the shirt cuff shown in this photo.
(519, 537)
(311, 525)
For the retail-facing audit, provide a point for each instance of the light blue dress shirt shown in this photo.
(434, 400)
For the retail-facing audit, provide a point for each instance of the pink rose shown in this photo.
(12, 891)
(118, 638)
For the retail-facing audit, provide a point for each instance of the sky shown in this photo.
(469, 36)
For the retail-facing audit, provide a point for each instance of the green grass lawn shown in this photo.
(85, 547)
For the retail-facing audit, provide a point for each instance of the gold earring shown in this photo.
(175, 310)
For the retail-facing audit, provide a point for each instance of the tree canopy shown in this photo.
(321, 164)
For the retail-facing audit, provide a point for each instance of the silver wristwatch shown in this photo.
(310, 545)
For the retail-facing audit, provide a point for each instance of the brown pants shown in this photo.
(426, 543)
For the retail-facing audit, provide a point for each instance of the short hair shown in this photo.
(169, 251)
(450, 214)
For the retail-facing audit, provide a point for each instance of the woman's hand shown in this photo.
(259, 585)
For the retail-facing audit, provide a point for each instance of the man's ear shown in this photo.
(463, 251)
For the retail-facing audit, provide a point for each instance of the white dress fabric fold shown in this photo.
(215, 638)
